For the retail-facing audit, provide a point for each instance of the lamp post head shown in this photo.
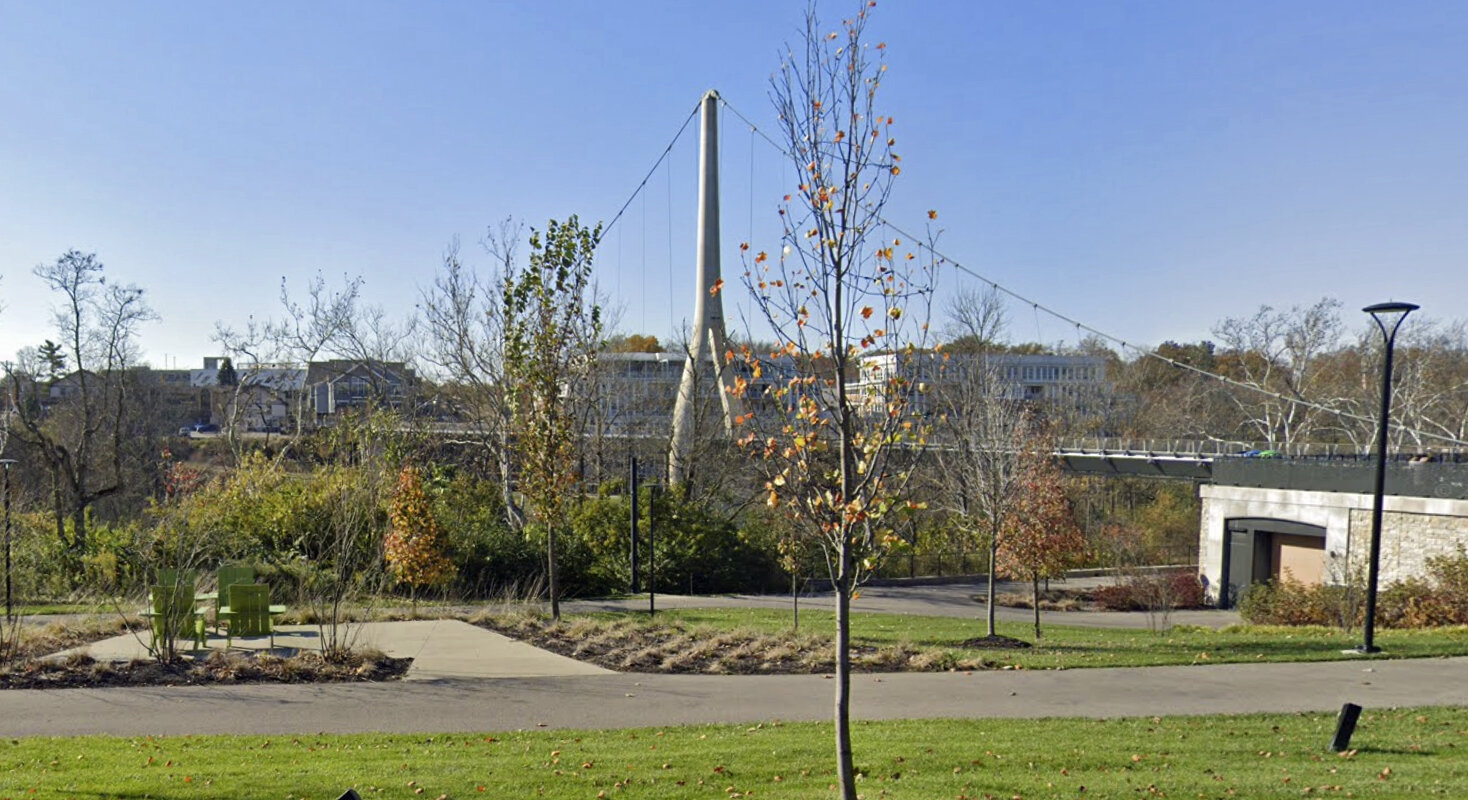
(1392, 312)
(1391, 308)
(6, 462)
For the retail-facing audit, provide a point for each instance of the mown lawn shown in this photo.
(1068, 647)
(1399, 753)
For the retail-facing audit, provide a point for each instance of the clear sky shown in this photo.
(1146, 167)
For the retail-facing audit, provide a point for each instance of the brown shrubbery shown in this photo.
(1152, 592)
(1440, 599)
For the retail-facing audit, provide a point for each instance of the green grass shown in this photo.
(1066, 647)
(1400, 753)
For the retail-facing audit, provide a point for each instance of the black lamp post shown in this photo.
(1388, 318)
(6, 462)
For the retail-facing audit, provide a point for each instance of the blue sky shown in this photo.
(1146, 167)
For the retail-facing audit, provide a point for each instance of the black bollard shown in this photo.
(1345, 725)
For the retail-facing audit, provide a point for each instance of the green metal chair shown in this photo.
(177, 577)
(249, 612)
(228, 577)
(172, 612)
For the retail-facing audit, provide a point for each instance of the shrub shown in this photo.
(697, 550)
(1441, 598)
(489, 556)
(1152, 592)
(1290, 602)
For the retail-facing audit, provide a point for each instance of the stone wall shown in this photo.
(1408, 540)
(1413, 528)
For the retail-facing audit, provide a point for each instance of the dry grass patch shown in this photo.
(1051, 600)
(36, 640)
(637, 644)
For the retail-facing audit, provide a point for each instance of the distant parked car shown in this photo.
(206, 427)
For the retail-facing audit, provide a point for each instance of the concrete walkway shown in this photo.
(441, 649)
(466, 678)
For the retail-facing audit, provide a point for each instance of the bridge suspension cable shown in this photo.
(658, 163)
(1125, 345)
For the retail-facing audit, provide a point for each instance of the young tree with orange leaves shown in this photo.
(834, 419)
(1041, 539)
(414, 545)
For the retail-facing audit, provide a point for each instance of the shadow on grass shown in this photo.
(1395, 751)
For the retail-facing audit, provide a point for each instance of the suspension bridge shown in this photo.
(707, 334)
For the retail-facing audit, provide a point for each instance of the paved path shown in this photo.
(468, 679)
(628, 700)
(440, 649)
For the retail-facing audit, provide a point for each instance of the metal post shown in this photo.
(652, 573)
(9, 614)
(632, 480)
(1345, 725)
(1395, 313)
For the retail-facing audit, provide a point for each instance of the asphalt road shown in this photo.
(964, 599)
(629, 700)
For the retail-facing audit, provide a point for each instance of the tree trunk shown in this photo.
(845, 766)
(993, 575)
(1035, 585)
(513, 516)
(550, 563)
(795, 600)
(58, 510)
(79, 528)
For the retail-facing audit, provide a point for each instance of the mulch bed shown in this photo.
(219, 668)
(1054, 599)
(995, 642)
(675, 649)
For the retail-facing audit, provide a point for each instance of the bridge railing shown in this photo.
(1208, 448)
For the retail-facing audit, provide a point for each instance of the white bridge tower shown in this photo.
(708, 340)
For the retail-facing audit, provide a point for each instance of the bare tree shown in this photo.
(977, 321)
(1429, 392)
(983, 432)
(463, 315)
(313, 326)
(252, 351)
(80, 426)
(1281, 353)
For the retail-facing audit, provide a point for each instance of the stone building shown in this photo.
(1263, 519)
